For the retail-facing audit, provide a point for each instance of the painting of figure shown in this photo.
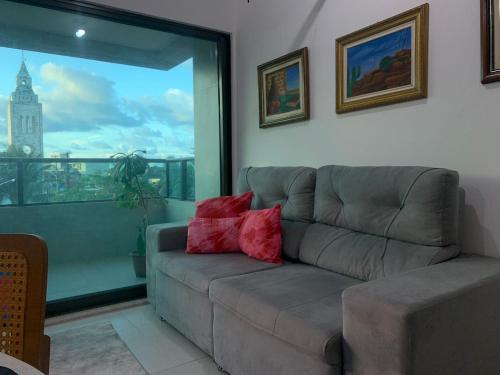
(384, 63)
(284, 89)
(380, 64)
(490, 41)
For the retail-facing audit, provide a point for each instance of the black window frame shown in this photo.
(223, 41)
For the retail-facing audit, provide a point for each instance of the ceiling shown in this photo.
(38, 29)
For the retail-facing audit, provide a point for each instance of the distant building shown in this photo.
(25, 124)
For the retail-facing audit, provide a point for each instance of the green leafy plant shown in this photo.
(33, 173)
(128, 172)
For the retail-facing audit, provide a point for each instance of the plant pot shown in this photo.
(139, 261)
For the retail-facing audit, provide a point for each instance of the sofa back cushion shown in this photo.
(376, 221)
(293, 188)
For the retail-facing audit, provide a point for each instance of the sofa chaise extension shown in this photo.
(374, 282)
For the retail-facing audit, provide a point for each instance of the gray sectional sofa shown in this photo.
(373, 282)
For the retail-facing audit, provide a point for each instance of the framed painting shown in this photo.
(490, 40)
(384, 63)
(284, 89)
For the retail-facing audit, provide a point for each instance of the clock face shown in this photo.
(23, 82)
(27, 150)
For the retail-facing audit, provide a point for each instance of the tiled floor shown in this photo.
(91, 276)
(158, 347)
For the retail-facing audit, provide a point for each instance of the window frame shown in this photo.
(223, 41)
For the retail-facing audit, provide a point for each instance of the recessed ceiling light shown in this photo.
(80, 33)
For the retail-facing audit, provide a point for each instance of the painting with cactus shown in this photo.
(384, 63)
(381, 63)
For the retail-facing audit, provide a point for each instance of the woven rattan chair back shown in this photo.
(23, 286)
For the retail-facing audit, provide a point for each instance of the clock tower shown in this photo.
(25, 117)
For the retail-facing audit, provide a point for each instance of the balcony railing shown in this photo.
(34, 181)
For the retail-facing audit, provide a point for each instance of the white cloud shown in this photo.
(174, 108)
(75, 100)
(180, 105)
(80, 101)
(84, 113)
(102, 145)
(77, 146)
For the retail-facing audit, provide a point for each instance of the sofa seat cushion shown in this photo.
(198, 270)
(296, 303)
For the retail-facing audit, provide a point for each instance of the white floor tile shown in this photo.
(205, 366)
(155, 344)
(159, 348)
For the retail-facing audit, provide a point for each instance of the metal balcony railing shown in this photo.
(34, 181)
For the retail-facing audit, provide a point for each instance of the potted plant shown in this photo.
(128, 173)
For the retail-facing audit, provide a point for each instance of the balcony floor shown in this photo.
(90, 276)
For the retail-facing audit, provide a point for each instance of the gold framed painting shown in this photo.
(490, 41)
(284, 89)
(384, 63)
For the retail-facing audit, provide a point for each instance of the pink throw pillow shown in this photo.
(260, 234)
(213, 235)
(229, 206)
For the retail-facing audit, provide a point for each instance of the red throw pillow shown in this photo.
(260, 234)
(219, 235)
(230, 206)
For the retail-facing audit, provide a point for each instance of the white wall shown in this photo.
(457, 127)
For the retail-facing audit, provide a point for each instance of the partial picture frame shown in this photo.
(384, 63)
(490, 41)
(284, 89)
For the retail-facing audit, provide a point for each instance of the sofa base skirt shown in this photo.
(241, 349)
(187, 310)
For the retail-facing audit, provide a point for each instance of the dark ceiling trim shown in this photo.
(127, 17)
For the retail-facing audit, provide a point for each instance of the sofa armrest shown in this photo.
(160, 238)
(442, 319)
(166, 237)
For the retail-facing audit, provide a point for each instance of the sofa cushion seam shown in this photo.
(260, 287)
(288, 193)
(403, 203)
(330, 243)
(298, 305)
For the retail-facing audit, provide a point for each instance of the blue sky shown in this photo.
(368, 55)
(292, 77)
(95, 109)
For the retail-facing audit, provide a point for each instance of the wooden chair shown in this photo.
(23, 288)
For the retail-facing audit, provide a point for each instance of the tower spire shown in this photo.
(25, 126)
(23, 77)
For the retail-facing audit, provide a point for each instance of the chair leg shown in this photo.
(45, 355)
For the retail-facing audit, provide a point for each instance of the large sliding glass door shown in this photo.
(80, 84)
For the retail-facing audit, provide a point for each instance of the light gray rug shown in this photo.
(92, 350)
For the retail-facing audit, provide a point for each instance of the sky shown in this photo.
(292, 77)
(96, 109)
(368, 55)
